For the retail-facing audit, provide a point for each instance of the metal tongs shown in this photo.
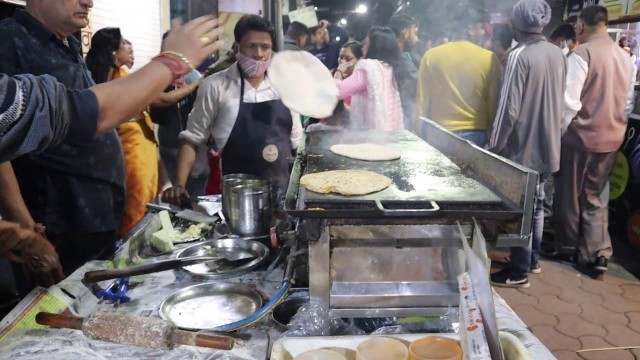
(164, 265)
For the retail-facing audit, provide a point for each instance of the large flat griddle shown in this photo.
(424, 179)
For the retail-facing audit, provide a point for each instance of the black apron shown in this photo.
(259, 143)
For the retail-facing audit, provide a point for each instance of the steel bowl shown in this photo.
(228, 181)
(250, 211)
(225, 269)
(206, 306)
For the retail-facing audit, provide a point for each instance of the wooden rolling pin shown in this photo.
(133, 330)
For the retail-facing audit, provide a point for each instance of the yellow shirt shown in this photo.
(457, 86)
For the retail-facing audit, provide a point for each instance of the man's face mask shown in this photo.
(250, 67)
(565, 47)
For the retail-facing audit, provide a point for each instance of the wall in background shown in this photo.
(139, 21)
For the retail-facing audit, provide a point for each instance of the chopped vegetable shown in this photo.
(192, 232)
(165, 220)
(164, 239)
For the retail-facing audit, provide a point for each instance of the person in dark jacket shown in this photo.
(325, 50)
(564, 37)
(501, 42)
(406, 29)
(296, 36)
(38, 112)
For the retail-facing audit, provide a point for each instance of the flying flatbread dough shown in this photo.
(368, 152)
(305, 85)
(346, 182)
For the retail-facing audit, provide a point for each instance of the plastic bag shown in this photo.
(421, 325)
(314, 319)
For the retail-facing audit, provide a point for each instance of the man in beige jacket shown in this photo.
(599, 75)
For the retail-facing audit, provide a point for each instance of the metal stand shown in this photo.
(386, 270)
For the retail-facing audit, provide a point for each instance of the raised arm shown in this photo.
(195, 41)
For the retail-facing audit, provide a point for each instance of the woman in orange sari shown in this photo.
(108, 53)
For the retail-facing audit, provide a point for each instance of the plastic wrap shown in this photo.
(314, 319)
(448, 323)
(63, 344)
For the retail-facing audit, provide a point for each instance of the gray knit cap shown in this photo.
(531, 16)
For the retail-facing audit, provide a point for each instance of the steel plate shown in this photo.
(206, 306)
(225, 269)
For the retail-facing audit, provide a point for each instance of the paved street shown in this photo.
(569, 311)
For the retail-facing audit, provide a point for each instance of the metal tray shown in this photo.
(207, 306)
(422, 174)
(225, 270)
(426, 182)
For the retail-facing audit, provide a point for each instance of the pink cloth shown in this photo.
(375, 98)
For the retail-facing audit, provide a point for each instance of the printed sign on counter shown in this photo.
(23, 316)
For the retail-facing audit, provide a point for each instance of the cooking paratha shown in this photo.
(367, 152)
(346, 182)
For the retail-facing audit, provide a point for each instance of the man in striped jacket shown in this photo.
(527, 127)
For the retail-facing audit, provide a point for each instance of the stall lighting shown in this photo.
(315, 8)
(343, 21)
(361, 9)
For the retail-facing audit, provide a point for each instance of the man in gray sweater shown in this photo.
(598, 80)
(527, 127)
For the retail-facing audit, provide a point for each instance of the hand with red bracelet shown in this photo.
(190, 44)
(33, 250)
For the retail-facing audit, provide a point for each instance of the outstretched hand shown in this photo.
(196, 40)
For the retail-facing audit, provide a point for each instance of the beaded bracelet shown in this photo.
(176, 62)
(181, 57)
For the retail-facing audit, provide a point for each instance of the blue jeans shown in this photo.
(478, 137)
(523, 257)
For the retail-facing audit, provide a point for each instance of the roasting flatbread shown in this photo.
(367, 152)
(305, 85)
(346, 182)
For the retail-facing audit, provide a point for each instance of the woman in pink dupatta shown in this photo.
(375, 100)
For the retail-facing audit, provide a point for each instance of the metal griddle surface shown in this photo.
(422, 173)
